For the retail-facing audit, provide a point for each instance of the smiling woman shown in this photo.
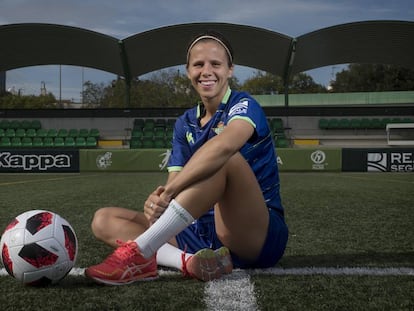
(221, 205)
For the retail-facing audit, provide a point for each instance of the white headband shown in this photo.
(212, 38)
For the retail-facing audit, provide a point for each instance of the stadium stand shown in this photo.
(151, 133)
(31, 134)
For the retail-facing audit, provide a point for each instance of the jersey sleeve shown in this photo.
(180, 152)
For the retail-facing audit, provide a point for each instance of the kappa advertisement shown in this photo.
(38, 161)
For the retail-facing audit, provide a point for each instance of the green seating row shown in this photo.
(149, 143)
(48, 142)
(157, 132)
(31, 132)
(150, 123)
(359, 123)
(17, 124)
(276, 125)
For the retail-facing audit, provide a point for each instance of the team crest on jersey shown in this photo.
(240, 107)
(190, 138)
(220, 128)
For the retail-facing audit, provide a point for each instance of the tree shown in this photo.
(263, 83)
(373, 78)
(303, 83)
(267, 83)
(93, 94)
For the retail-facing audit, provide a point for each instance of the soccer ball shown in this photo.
(38, 248)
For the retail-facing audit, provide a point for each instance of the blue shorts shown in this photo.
(202, 234)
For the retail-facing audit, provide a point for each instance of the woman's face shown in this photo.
(208, 69)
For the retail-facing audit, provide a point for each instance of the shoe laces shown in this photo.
(125, 252)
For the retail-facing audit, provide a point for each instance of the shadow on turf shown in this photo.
(373, 259)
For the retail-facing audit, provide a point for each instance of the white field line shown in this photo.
(237, 273)
(232, 292)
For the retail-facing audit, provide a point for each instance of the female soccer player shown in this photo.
(221, 206)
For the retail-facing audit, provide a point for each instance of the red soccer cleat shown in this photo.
(207, 265)
(124, 266)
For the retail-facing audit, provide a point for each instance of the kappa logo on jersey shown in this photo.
(239, 108)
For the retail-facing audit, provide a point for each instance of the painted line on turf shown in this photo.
(18, 182)
(232, 292)
(386, 271)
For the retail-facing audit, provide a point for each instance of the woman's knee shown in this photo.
(100, 220)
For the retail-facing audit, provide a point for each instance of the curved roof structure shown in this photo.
(24, 45)
(381, 42)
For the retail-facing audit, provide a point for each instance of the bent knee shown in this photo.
(100, 220)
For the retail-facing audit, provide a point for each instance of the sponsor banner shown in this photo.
(137, 160)
(378, 160)
(309, 159)
(39, 160)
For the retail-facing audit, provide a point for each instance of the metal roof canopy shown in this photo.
(389, 42)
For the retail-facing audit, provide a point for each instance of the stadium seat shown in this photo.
(37, 142)
(4, 124)
(83, 133)
(16, 142)
(139, 123)
(26, 124)
(20, 132)
(169, 134)
(375, 123)
(59, 142)
(52, 133)
(159, 132)
(41, 133)
(333, 123)
(62, 133)
(69, 142)
(73, 133)
(147, 143)
(27, 142)
(136, 133)
(365, 123)
(149, 124)
(91, 142)
(282, 142)
(48, 142)
(384, 122)
(276, 124)
(5, 142)
(160, 123)
(36, 124)
(323, 124)
(148, 133)
(159, 143)
(31, 133)
(10, 132)
(135, 144)
(407, 120)
(396, 120)
(94, 133)
(344, 123)
(15, 124)
(80, 142)
(355, 123)
(2, 133)
(170, 123)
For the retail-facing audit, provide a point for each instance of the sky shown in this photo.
(124, 18)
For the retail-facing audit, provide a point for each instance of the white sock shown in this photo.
(171, 256)
(173, 221)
